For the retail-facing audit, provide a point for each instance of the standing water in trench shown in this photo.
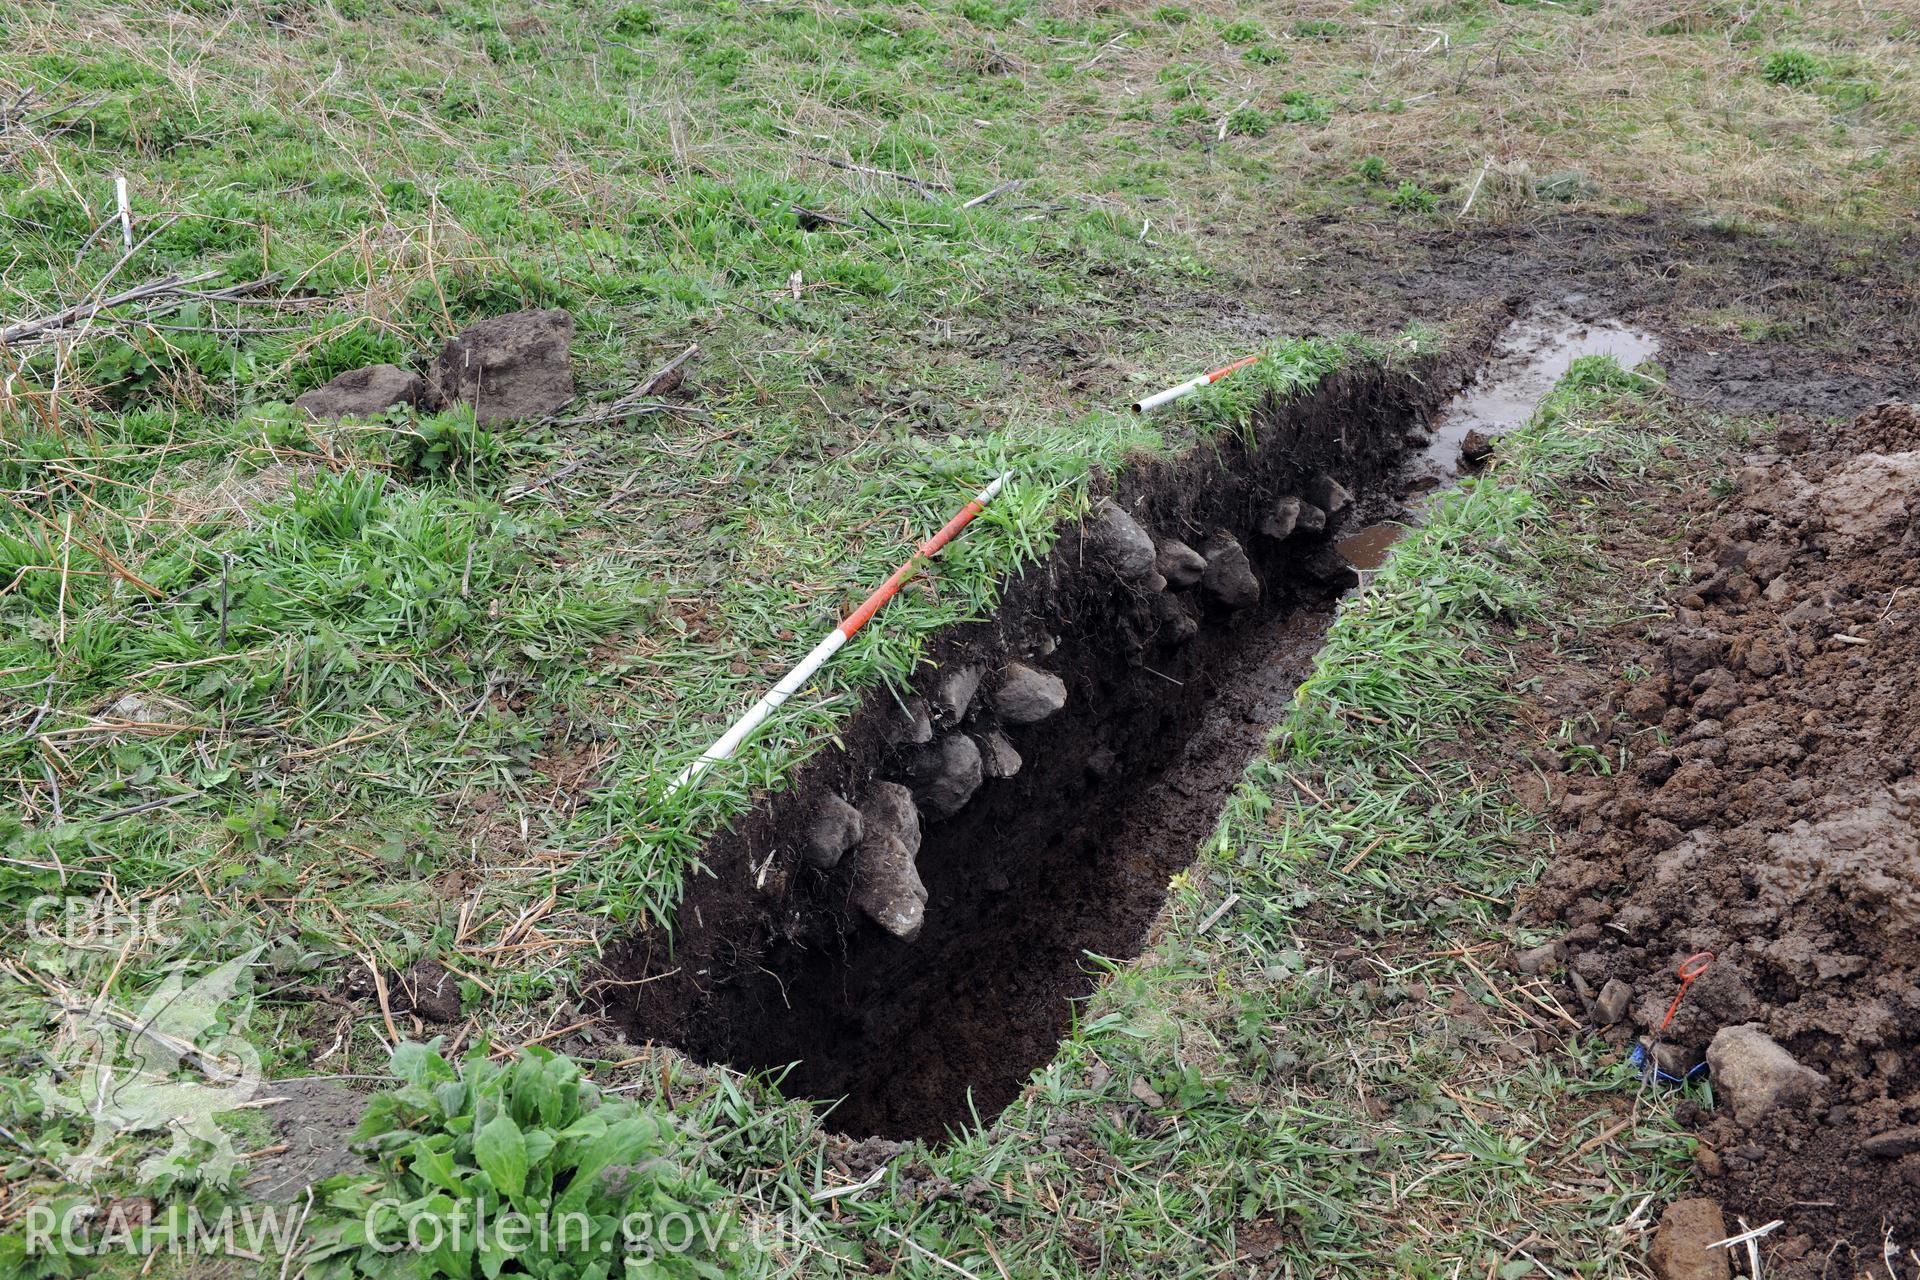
(1069, 857)
(1528, 359)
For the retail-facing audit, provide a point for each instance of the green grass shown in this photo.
(1336, 1077)
(318, 687)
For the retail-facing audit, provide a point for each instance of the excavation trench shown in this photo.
(1169, 692)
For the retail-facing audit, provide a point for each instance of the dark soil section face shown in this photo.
(1070, 855)
(1770, 814)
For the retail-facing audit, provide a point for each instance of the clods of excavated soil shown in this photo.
(1769, 814)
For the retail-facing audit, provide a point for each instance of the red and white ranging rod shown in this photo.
(794, 680)
(1191, 385)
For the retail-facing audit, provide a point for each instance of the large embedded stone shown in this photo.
(886, 883)
(1229, 578)
(1179, 564)
(1119, 539)
(1027, 696)
(836, 828)
(362, 393)
(945, 774)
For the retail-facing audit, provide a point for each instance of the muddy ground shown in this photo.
(1769, 814)
(1752, 320)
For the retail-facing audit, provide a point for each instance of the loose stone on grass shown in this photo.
(1475, 447)
(1542, 959)
(363, 393)
(1027, 696)
(886, 883)
(510, 368)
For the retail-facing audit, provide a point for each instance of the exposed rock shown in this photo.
(1542, 959)
(886, 883)
(1173, 625)
(131, 706)
(1680, 1249)
(1027, 696)
(362, 393)
(1311, 519)
(1229, 577)
(1611, 1004)
(1154, 581)
(1331, 570)
(945, 774)
(998, 759)
(1475, 447)
(1328, 494)
(911, 722)
(954, 692)
(1281, 519)
(1119, 539)
(429, 990)
(1179, 564)
(1892, 1144)
(1756, 1074)
(836, 828)
(509, 368)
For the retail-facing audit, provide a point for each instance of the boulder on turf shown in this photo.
(1680, 1246)
(362, 393)
(510, 368)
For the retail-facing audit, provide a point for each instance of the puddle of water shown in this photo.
(1529, 358)
(1368, 548)
(1532, 355)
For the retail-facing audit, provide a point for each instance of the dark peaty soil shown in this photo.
(1770, 814)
